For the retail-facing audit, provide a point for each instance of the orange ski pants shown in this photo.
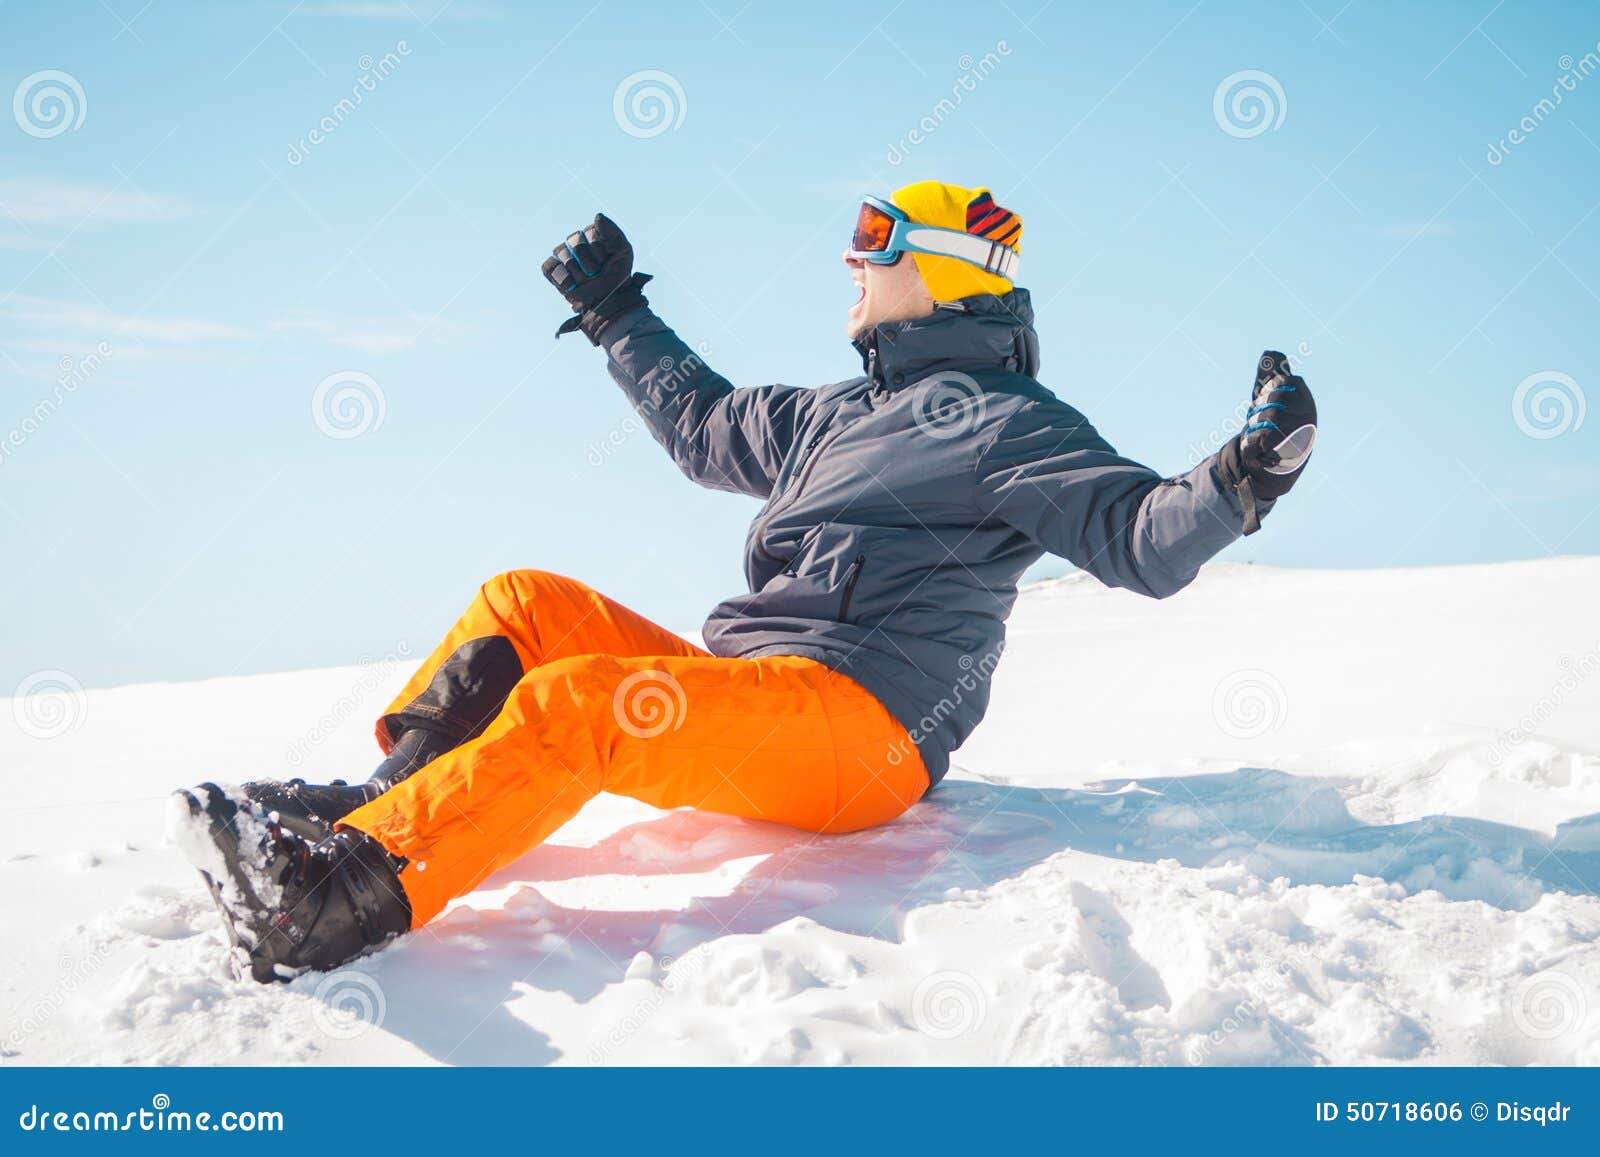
(557, 693)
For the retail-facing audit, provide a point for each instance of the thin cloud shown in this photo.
(46, 201)
(371, 335)
(54, 322)
(92, 321)
(1579, 480)
(77, 346)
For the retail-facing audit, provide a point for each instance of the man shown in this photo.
(901, 508)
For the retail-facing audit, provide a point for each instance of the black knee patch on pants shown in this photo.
(466, 692)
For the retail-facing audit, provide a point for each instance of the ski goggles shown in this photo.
(884, 232)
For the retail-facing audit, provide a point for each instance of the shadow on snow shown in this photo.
(966, 834)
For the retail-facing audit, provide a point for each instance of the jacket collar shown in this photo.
(983, 332)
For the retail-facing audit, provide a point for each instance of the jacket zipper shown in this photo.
(850, 587)
(811, 454)
(761, 528)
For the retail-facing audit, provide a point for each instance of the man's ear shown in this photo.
(915, 278)
(916, 290)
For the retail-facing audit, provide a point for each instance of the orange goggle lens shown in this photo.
(873, 227)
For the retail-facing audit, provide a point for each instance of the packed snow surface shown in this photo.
(1298, 817)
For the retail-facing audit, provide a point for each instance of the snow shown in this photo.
(1285, 817)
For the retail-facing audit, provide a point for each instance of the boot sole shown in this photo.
(205, 825)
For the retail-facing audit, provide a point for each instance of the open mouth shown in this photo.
(861, 296)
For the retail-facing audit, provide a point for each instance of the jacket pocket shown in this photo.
(851, 576)
(818, 581)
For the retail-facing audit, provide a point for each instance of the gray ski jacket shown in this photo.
(903, 506)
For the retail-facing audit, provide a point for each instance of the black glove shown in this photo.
(594, 271)
(1268, 457)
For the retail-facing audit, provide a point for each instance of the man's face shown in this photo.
(887, 293)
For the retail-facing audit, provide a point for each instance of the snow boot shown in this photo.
(290, 904)
(310, 810)
(208, 827)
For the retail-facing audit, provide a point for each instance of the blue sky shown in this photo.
(172, 238)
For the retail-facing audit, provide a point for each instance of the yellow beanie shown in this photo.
(965, 210)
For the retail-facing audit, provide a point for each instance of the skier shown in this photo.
(901, 508)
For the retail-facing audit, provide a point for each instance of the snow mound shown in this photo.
(1171, 843)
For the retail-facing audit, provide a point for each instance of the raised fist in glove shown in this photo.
(1269, 455)
(593, 270)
